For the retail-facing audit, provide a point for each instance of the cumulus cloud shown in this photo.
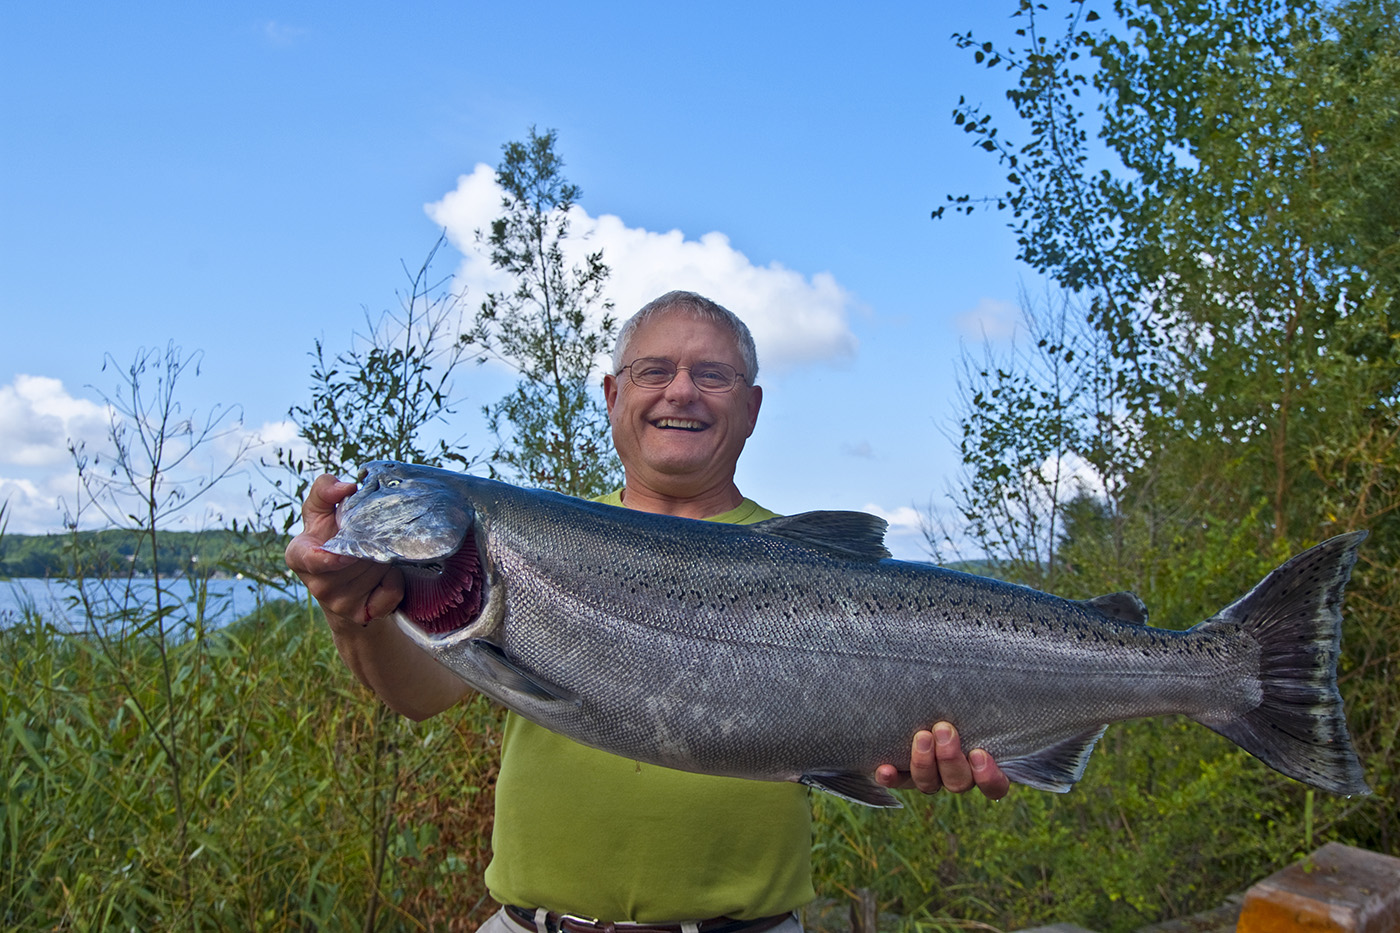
(38, 421)
(37, 418)
(39, 481)
(1070, 476)
(29, 509)
(244, 442)
(903, 519)
(990, 320)
(795, 319)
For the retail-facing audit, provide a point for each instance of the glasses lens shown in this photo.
(657, 373)
(713, 377)
(652, 373)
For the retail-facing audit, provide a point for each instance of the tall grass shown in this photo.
(291, 819)
(160, 775)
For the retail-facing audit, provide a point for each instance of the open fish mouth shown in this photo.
(423, 527)
(445, 595)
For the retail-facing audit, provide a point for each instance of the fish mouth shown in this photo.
(445, 595)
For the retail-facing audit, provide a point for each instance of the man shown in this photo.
(580, 832)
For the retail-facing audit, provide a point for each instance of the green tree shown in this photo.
(551, 329)
(1215, 185)
(1018, 432)
(1236, 258)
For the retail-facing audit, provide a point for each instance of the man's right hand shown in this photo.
(357, 596)
(350, 590)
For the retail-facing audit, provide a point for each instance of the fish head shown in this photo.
(419, 519)
(401, 513)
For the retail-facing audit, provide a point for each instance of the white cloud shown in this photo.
(794, 319)
(990, 320)
(29, 509)
(248, 443)
(38, 417)
(40, 485)
(903, 519)
(1070, 476)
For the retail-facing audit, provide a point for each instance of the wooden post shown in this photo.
(865, 912)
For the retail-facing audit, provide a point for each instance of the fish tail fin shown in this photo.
(1295, 616)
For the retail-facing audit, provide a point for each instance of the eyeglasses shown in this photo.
(650, 372)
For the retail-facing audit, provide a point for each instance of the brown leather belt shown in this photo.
(567, 923)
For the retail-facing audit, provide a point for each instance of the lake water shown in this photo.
(228, 599)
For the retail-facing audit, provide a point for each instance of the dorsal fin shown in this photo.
(855, 535)
(1125, 607)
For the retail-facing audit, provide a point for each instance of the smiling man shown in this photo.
(584, 841)
(679, 436)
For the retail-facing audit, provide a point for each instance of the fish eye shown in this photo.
(392, 482)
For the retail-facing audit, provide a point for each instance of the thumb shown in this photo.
(318, 511)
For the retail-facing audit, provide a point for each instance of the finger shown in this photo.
(953, 766)
(923, 768)
(325, 494)
(385, 597)
(990, 779)
(923, 763)
(304, 553)
(891, 777)
(360, 593)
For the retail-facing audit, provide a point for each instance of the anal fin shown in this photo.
(1056, 767)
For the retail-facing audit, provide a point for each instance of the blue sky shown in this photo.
(244, 179)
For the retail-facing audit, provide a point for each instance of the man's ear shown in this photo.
(610, 392)
(755, 402)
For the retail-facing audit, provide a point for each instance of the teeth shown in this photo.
(679, 423)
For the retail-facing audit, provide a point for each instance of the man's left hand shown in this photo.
(937, 763)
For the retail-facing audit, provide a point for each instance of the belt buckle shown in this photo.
(589, 923)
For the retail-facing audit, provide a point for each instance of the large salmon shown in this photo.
(796, 650)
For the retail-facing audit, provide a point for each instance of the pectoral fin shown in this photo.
(493, 661)
(853, 786)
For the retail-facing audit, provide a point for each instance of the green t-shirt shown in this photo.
(585, 832)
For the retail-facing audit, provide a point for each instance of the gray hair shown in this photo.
(700, 308)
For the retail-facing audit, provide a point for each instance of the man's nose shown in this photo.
(682, 386)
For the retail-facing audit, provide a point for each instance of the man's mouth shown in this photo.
(679, 424)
